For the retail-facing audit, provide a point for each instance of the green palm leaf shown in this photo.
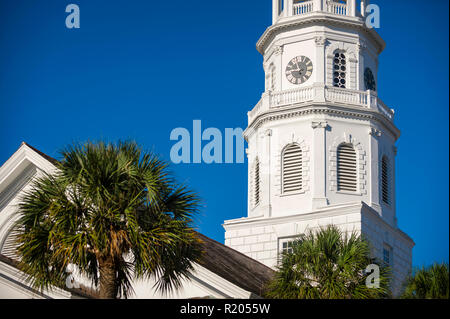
(116, 213)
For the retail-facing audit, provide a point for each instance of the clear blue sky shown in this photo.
(137, 69)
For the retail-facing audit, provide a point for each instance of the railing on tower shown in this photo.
(287, 8)
(276, 100)
(303, 7)
(337, 8)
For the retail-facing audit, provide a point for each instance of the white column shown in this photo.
(364, 4)
(319, 72)
(278, 62)
(285, 8)
(265, 176)
(351, 8)
(360, 66)
(374, 174)
(318, 5)
(275, 10)
(319, 67)
(318, 163)
(290, 8)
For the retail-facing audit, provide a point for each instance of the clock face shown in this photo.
(369, 80)
(299, 70)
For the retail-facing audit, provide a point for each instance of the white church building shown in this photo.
(321, 150)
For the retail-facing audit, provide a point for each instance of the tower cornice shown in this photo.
(337, 110)
(319, 19)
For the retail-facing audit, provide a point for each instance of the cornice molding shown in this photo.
(318, 18)
(341, 111)
(329, 211)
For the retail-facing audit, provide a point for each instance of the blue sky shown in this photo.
(137, 69)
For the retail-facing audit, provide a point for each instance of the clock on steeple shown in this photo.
(299, 70)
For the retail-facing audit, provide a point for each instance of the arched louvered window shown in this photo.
(347, 175)
(273, 77)
(339, 70)
(9, 246)
(257, 183)
(292, 171)
(385, 180)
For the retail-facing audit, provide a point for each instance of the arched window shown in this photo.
(9, 245)
(385, 180)
(347, 175)
(273, 78)
(292, 169)
(257, 183)
(339, 70)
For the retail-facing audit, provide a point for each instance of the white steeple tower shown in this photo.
(321, 143)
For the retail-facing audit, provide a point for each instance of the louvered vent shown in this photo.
(347, 170)
(385, 180)
(292, 169)
(257, 182)
(273, 78)
(9, 247)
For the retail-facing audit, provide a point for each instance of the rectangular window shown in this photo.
(387, 255)
(285, 245)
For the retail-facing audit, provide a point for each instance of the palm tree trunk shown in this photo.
(108, 285)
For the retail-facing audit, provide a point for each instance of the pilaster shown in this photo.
(319, 73)
(318, 164)
(374, 172)
(266, 178)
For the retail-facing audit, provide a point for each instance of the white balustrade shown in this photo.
(346, 96)
(364, 99)
(292, 97)
(337, 8)
(256, 111)
(385, 110)
(303, 7)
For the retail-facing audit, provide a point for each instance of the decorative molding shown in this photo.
(251, 183)
(362, 45)
(375, 132)
(277, 50)
(331, 110)
(278, 149)
(319, 19)
(361, 163)
(315, 125)
(320, 41)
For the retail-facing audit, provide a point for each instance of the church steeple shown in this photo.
(321, 142)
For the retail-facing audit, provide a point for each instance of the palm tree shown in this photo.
(327, 264)
(115, 213)
(430, 282)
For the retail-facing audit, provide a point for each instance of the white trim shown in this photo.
(226, 288)
(20, 159)
(15, 279)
